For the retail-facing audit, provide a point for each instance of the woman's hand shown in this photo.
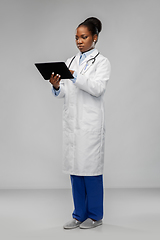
(71, 71)
(55, 80)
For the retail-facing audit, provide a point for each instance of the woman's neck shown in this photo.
(88, 50)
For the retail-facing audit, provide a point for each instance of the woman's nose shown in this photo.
(79, 41)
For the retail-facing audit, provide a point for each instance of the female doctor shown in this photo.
(84, 125)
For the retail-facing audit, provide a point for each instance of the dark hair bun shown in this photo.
(96, 22)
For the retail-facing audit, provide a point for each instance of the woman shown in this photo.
(84, 125)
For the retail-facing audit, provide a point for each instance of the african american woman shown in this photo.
(84, 125)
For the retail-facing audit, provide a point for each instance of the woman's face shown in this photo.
(84, 39)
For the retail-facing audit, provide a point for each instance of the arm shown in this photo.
(95, 85)
(57, 85)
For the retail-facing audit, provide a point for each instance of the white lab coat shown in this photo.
(84, 117)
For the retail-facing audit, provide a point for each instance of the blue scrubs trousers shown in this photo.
(87, 194)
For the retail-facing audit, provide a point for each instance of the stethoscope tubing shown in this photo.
(94, 59)
(85, 69)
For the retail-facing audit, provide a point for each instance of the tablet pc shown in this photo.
(60, 68)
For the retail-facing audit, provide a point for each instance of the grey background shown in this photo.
(30, 122)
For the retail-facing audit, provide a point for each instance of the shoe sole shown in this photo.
(68, 228)
(83, 227)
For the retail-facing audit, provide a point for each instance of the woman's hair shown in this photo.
(93, 24)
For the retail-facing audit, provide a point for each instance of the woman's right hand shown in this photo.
(55, 80)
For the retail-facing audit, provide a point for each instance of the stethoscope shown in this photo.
(85, 68)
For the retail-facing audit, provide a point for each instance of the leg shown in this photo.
(94, 189)
(79, 197)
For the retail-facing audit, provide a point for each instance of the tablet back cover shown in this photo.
(60, 68)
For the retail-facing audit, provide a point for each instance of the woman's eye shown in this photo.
(84, 37)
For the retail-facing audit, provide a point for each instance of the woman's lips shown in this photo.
(80, 46)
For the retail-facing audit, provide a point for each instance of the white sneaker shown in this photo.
(89, 223)
(72, 224)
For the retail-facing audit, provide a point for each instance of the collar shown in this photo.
(87, 53)
(92, 53)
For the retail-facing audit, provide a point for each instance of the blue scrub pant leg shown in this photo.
(87, 194)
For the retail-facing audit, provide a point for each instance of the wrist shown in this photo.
(56, 88)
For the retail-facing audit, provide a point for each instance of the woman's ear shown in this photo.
(95, 38)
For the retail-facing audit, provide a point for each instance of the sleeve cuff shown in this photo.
(56, 92)
(75, 77)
